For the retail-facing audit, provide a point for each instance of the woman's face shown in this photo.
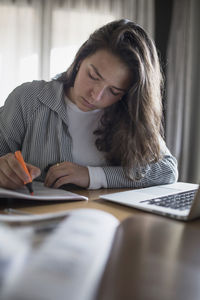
(101, 81)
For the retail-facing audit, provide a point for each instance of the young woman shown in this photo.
(97, 125)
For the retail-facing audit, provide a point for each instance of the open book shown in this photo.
(41, 193)
(91, 256)
(68, 264)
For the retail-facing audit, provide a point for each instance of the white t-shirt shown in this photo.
(84, 152)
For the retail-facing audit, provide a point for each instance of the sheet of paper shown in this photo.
(21, 219)
(70, 262)
(13, 254)
(41, 193)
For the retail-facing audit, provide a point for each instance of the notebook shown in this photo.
(41, 193)
(179, 200)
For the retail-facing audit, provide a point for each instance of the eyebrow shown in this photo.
(97, 72)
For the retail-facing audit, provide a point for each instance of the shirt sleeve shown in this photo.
(11, 123)
(165, 171)
(97, 178)
(15, 115)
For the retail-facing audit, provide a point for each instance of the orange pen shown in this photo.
(28, 183)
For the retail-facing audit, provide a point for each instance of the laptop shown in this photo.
(179, 200)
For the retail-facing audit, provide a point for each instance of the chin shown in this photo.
(83, 108)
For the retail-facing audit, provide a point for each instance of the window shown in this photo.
(38, 39)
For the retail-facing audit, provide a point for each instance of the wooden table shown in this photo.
(153, 257)
(35, 207)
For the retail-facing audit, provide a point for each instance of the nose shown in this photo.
(97, 92)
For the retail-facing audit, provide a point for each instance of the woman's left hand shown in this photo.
(67, 172)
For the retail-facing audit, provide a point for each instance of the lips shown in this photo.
(88, 104)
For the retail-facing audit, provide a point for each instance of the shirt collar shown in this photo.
(52, 95)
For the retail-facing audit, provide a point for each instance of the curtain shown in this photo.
(39, 39)
(183, 89)
(19, 44)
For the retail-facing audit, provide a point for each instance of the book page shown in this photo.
(41, 193)
(32, 218)
(70, 262)
(13, 254)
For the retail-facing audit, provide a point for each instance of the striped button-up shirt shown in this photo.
(34, 120)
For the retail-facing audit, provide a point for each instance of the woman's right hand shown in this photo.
(12, 175)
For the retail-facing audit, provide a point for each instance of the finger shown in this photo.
(10, 182)
(14, 164)
(61, 181)
(34, 171)
(9, 172)
(9, 178)
(48, 175)
(54, 173)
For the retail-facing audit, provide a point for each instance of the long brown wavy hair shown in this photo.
(130, 129)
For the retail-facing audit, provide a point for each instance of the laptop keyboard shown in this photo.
(180, 201)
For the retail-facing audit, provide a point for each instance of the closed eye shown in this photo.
(92, 77)
(115, 94)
